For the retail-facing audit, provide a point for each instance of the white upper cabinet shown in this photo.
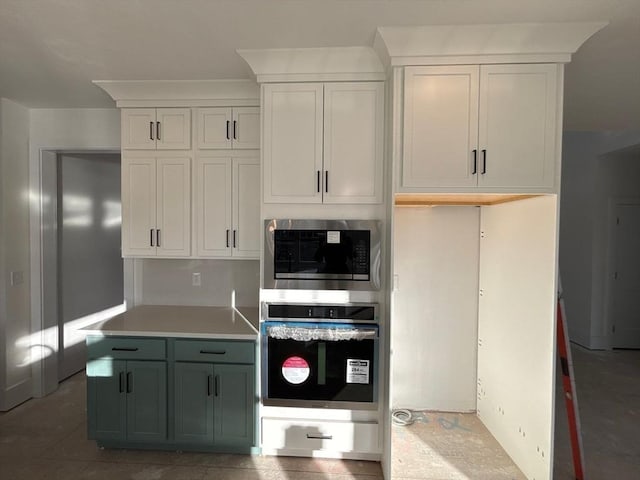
(353, 142)
(228, 206)
(491, 127)
(228, 128)
(156, 206)
(323, 142)
(517, 130)
(156, 129)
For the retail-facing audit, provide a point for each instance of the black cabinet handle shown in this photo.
(213, 352)
(319, 436)
(234, 239)
(217, 382)
(129, 382)
(151, 237)
(475, 162)
(227, 238)
(157, 130)
(121, 382)
(124, 349)
(150, 130)
(209, 382)
(318, 180)
(157, 237)
(484, 162)
(228, 138)
(326, 181)
(235, 130)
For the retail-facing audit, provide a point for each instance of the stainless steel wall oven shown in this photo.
(320, 355)
(322, 254)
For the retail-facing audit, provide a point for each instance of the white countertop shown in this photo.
(238, 323)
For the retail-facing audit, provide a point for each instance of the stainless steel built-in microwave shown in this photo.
(322, 254)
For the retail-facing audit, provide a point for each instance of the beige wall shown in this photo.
(15, 318)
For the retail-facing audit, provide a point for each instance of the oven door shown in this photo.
(319, 364)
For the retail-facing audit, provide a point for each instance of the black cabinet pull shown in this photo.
(124, 349)
(157, 130)
(209, 382)
(217, 382)
(121, 382)
(150, 130)
(234, 239)
(326, 181)
(228, 138)
(319, 436)
(235, 130)
(475, 162)
(151, 237)
(129, 382)
(213, 352)
(484, 162)
(318, 181)
(227, 238)
(157, 237)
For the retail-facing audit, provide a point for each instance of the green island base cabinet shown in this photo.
(172, 393)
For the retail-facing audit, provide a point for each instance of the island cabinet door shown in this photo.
(194, 403)
(146, 386)
(234, 404)
(106, 399)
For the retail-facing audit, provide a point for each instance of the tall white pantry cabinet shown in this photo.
(191, 179)
(475, 132)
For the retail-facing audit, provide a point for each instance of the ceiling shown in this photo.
(50, 50)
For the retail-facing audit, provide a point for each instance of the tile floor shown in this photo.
(46, 439)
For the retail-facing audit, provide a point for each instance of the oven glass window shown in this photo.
(337, 253)
(340, 370)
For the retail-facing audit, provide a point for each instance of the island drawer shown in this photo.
(126, 348)
(214, 351)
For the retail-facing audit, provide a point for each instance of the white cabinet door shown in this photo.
(173, 128)
(138, 128)
(138, 206)
(214, 128)
(246, 207)
(440, 126)
(151, 129)
(173, 236)
(292, 143)
(517, 125)
(246, 127)
(213, 206)
(353, 142)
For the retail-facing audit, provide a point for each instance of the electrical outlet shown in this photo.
(196, 280)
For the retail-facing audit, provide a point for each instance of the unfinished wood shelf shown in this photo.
(460, 199)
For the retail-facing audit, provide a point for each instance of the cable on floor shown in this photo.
(402, 417)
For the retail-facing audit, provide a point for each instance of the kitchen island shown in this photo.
(174, 378)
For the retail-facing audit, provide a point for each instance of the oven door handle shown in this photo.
(283, 331)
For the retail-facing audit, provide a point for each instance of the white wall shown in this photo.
(64, 130)
(15, 372)
(583, 229)
(434, 329)
(169, 282)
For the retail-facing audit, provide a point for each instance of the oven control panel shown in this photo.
(365, 312)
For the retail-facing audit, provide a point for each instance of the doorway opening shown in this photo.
(82, 266)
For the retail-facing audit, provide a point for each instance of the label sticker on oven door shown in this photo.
(295, 370)
(357, 371)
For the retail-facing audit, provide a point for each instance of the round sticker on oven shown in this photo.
(295, 370)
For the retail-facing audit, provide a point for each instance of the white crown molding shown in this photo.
(131, 93)
(314, 64)
(493, 42)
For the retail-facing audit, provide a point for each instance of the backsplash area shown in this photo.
(170, 282)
